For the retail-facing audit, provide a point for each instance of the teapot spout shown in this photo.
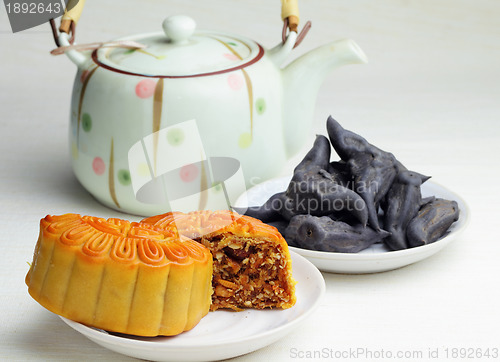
(302, 80)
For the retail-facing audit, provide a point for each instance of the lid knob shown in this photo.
(179, 28)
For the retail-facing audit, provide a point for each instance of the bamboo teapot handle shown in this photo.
(74, 8)
(71, 15)
(290, 13)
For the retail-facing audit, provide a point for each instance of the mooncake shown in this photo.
(120, 276)
(251, 262)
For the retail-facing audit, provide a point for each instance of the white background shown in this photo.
(430, 95)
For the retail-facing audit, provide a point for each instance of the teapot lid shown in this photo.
(181, 52)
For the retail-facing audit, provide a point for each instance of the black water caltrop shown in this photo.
(339, 206)
(431, 222)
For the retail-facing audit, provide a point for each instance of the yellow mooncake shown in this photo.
(120, 276)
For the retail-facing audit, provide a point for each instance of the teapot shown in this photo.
(189, 118)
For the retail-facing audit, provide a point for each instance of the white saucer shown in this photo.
(222, 334)
(376, 258)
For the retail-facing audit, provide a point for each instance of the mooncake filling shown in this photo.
(248, 273)
(251, 261)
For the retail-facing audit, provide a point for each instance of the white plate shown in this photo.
(222, 334)
(376, 258)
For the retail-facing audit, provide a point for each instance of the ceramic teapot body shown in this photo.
(205, 113)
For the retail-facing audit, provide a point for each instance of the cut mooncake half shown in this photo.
(252, 267)
(119, 276)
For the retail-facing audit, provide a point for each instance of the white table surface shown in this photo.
(430, 95)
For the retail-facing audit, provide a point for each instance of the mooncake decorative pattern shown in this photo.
(120, 276)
